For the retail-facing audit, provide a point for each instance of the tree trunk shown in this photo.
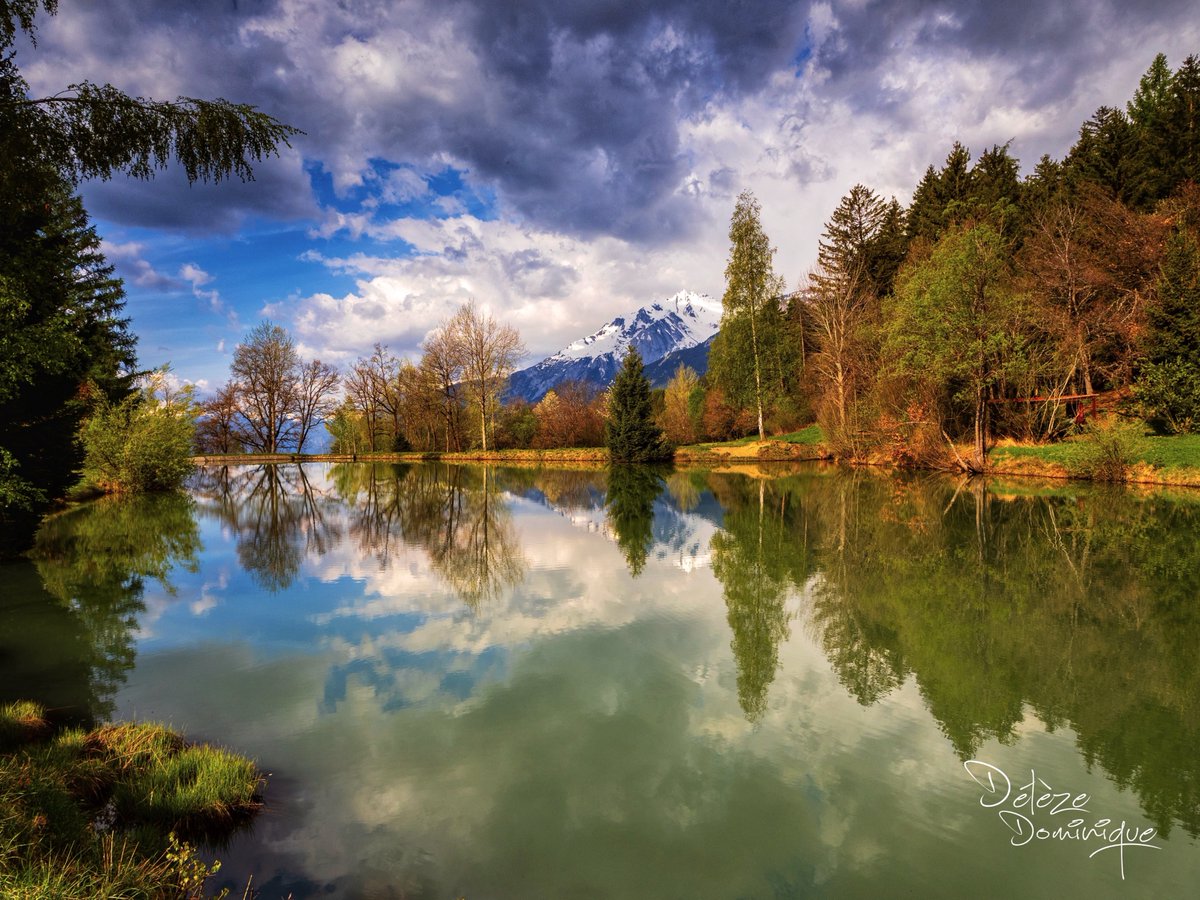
(980, 430)
(757, 373)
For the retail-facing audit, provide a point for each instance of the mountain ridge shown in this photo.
(667, 333)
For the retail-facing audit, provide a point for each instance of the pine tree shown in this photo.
(630, 432)
(1183, 118)
(1174, 320)
(1104, 153)
(1169, 382)
(62, 342)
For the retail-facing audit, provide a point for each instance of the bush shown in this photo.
(1170, 396)
(143, 443)
(1106, 450)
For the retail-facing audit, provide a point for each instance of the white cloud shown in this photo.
(132, 265)
(198, 278)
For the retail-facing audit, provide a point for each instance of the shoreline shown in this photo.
(726, 456)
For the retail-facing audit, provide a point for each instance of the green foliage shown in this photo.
(1174, 317)
(748, 358)
(55, 789)
(143, 443)
(1106, 451)
(93, 562)
(60, 322)
(94, 131)
(60, 328)
(1170, 395)
(1168, 385)
(953, 330)
(759, 561)
(630, 433)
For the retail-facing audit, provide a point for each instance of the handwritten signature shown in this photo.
(1019, 807)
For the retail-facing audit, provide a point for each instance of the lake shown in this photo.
(531, 683)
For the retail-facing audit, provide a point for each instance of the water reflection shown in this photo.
(609, 639)
(632, 491)
(72, 615)
(279, 517)
(1080, 607)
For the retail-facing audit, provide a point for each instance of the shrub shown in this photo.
(1106, 450)
(1170, 395)
(143, 443)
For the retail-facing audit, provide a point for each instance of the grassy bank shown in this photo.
(113, 812)
(1116, 454)
(1122, 453)
(799, 445)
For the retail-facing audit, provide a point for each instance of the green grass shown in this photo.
(1180, 451)
(810, 436)
(102, 813)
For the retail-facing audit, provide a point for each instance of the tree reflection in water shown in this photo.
(1077, 605)
(632, 491)
(1080, 608)
(759, 563)
(459, 516)
(74, 612)
(278, 516)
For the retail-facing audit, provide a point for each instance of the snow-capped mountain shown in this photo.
(660, 330)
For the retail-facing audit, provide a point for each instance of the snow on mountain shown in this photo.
(682, 322)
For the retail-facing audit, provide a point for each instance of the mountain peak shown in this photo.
(681, 322)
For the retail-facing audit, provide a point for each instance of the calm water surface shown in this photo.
(501, 683)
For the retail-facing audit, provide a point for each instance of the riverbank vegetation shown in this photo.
(994, 307)
(112, 812)
(66, 352)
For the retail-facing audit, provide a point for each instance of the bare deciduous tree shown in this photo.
(316, 398)
(489, 353)
(265, 369)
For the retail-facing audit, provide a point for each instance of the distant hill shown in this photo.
(667, 334)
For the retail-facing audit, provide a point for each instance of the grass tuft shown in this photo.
(21, 723)
(109, 813)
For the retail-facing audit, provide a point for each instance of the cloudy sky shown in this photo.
(560, 161)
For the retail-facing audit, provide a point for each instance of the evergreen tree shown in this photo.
(62, 337)
(1169, 381)
(1183, 120)
(886, 252)
(63, 344)
(926, 214)
(1105, 152)
(1044, 186)
(955, 183)
(996, 190)
(845, 244)
(630, 432)
(629, 502)
(1149, 114)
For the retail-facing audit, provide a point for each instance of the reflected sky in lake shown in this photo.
(486, 682)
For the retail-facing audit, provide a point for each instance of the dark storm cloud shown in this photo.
(279, 191)
(572, 109)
